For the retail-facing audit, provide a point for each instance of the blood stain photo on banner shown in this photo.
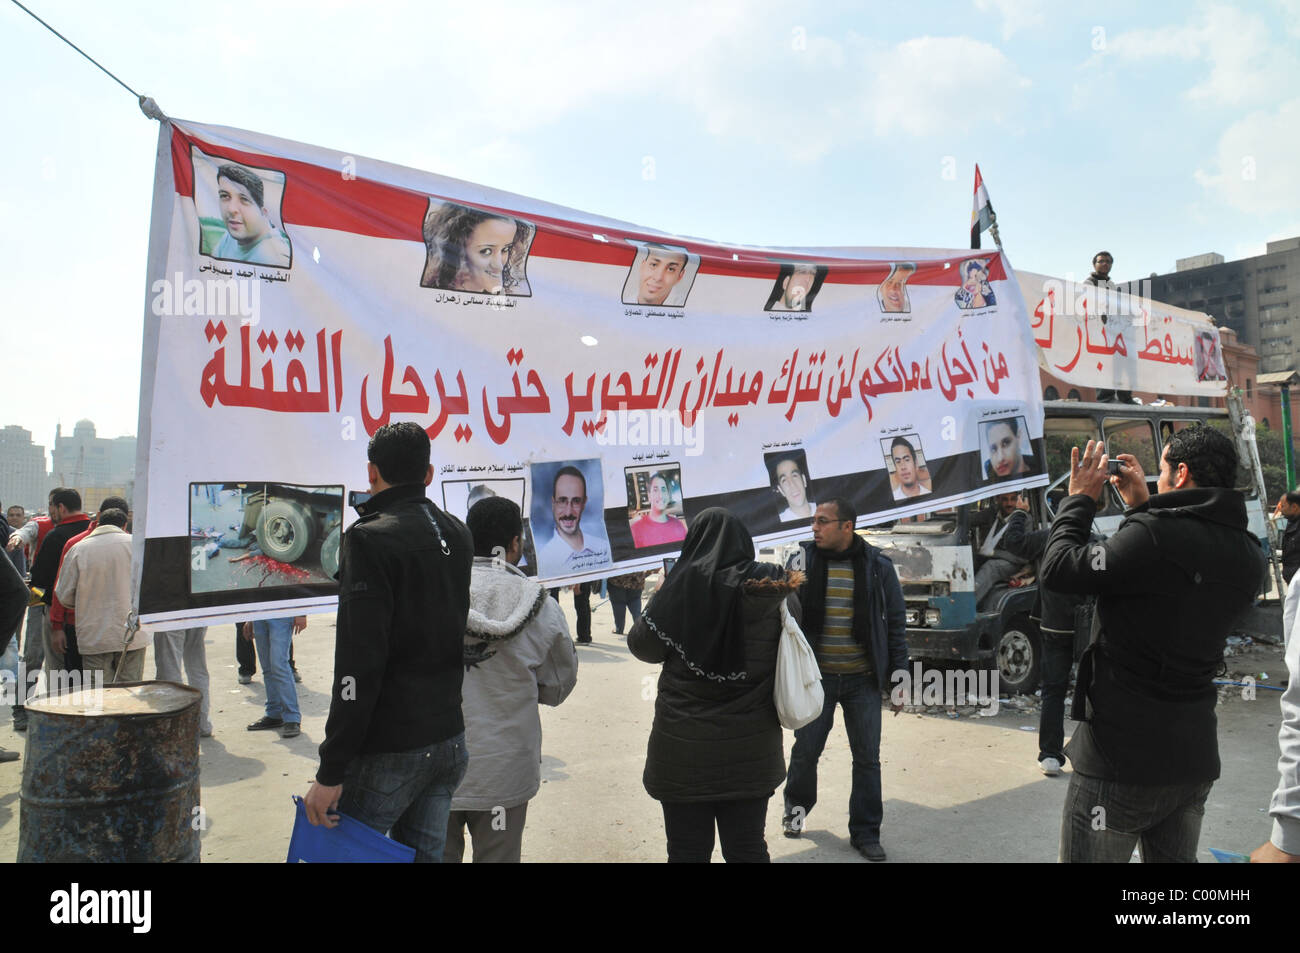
(238, 208)
(891, 294)
(476, 251)
(661, 275)
(566, 513)
(262, 535)
(1005, 450)
(909, 477)
(796, 286)
(654, 505)
(787, 472)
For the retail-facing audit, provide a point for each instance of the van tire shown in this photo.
(329, 552)
(1018, 657)
(284, 530)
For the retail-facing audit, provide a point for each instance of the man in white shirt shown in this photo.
(95, 580)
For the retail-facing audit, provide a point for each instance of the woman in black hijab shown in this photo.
(715, 753)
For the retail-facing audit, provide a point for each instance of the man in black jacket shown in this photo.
(69, 521)
(394, 748)
(855, 620)
(1289, 506)
(1171, 581)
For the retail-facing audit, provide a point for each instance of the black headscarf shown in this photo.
(697, 612)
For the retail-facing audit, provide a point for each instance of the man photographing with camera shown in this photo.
(1171, 582)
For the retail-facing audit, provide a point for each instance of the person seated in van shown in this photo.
(998, 551)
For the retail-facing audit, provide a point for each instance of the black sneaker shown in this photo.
(791, 827)
(296, 677)
(586, 641)
(6, 755)
(290, 729)
(20, 719)
(266, 724)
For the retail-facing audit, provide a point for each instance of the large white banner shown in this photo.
(1106, 338)
(611, 380)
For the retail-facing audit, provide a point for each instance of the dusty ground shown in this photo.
(963, 789)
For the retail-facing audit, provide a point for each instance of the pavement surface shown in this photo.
(957, 789)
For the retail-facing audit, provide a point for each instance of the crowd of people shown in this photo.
(445, 649)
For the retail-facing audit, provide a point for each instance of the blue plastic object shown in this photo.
(350, 843)
(1229, 856)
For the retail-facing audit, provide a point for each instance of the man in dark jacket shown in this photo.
(13, 600)
(69, 521)
(1055, 614)
(394, 748)
(1289, 506)
(854, 619)
(1171, 582)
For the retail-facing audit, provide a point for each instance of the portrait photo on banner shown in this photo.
(796, 286)
(891, 294)
(975, 291)
(909, 477)
(655, 511)
(1209, 357)
(1005, 449)
(475, 251)
(459, 497)
(259, 535)
(787, 473)
(239, 211)
(660, 275)
(567, 516)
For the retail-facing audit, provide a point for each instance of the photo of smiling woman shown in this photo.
(475, 251)
(1002, 448)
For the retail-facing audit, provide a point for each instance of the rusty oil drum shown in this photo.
(112, 776)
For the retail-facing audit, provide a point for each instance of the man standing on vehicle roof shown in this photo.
(1171, 581)
(1100, 277)
(856, 623)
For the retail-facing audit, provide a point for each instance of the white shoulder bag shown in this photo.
(798, 693)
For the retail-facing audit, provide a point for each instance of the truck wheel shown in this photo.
(329, 552)
(284, 531)
(1019, 657)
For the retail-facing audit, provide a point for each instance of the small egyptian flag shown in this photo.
(981, 216)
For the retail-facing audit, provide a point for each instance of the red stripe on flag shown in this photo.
(319, 197)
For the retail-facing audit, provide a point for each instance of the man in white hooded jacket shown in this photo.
(518, 654)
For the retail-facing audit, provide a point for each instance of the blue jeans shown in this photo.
(860, 697)
(621, 600)
(273, 638)
(1058, 655)
(1104, 820)
(407, 794)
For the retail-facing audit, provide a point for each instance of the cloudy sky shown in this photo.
(1156, 130)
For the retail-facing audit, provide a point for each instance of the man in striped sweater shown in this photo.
(854, 619)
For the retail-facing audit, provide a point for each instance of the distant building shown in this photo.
(84, 460)
(23, 478)
(1258, 297)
